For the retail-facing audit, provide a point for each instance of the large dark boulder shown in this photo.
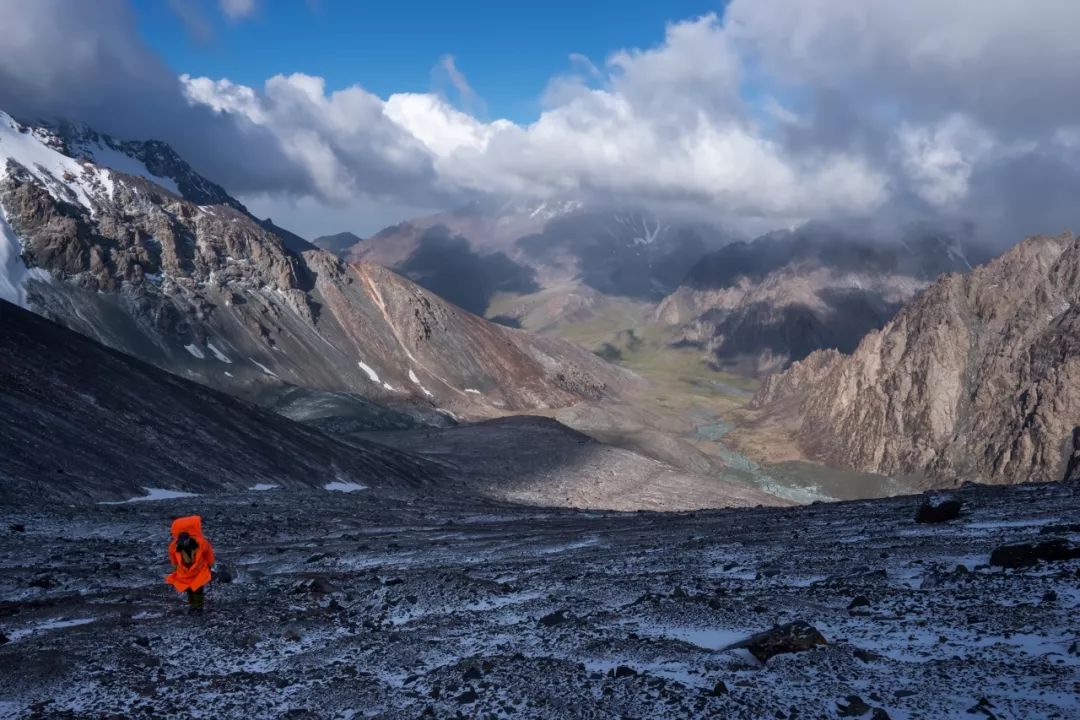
(793, 637)
(1020, 555)
(938, 510)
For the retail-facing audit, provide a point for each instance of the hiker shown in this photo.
(192, 557)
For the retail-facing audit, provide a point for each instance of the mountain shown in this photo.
(755, 307)
(83, 422)
(135, 258)
(978, 378)
(475, 255)
(339, 244)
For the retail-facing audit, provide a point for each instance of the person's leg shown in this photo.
(197, 598)
(190, 598)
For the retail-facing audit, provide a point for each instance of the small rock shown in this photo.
(142, 641)
(392, 581)
(292, 634)
(855, 707)
(551, 619)
(719, 689)
(42, 581)
(858, 602)
(315, 586)
(1049, 596)
(938, 510)
(866, 656)
(1020, 555)
(317, 557)
(4, 639)
(18, 527)
(622, 671)
(473, 673)
(224, 574)
(469, 696)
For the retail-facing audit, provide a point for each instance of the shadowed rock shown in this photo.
(793, 637)
(1020, 555)
(938, 510)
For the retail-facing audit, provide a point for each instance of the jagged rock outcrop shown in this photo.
(137, 261)
(978, 378)
(756, 307)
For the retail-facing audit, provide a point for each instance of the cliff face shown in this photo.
(978, 378)
(205, 290)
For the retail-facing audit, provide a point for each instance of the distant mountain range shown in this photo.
(595, 274)
(755, 307)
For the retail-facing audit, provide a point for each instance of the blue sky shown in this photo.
(507, 50)
(332, 115)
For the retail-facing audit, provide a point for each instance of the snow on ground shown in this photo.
(49, 625)
(372, 375)
(389, 606)
(473, 391)
(341, 486)
(196, 351)
(152, 494)
(261, 487)
(218, 354)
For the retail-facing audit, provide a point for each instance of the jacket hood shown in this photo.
(192, 525)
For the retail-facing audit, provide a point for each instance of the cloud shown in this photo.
(193, 19)
(467, 97)
(237, 9)
(775, 112)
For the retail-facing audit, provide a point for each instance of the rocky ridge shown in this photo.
(138, 261)
(978, 378)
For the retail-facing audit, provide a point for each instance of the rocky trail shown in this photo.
(358, 604)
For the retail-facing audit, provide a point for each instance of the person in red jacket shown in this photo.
(192, 557)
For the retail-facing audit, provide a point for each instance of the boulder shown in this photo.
(938, 510)
(1020, 555)
(793, 637)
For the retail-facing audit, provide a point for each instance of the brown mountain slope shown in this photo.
(977, 379)
(210, 293)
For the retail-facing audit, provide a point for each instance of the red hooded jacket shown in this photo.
(197, 574)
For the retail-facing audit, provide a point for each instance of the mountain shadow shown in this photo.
(446, 265)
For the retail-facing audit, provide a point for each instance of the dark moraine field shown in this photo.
(370, 605)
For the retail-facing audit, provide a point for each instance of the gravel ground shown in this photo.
(356, 604)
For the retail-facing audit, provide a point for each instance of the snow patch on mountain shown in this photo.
(13, 271)
(106, 156)
(266, 370)
(65, 179)
(341, 486)
(218, 354)
(416, 381)
(372, 375)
